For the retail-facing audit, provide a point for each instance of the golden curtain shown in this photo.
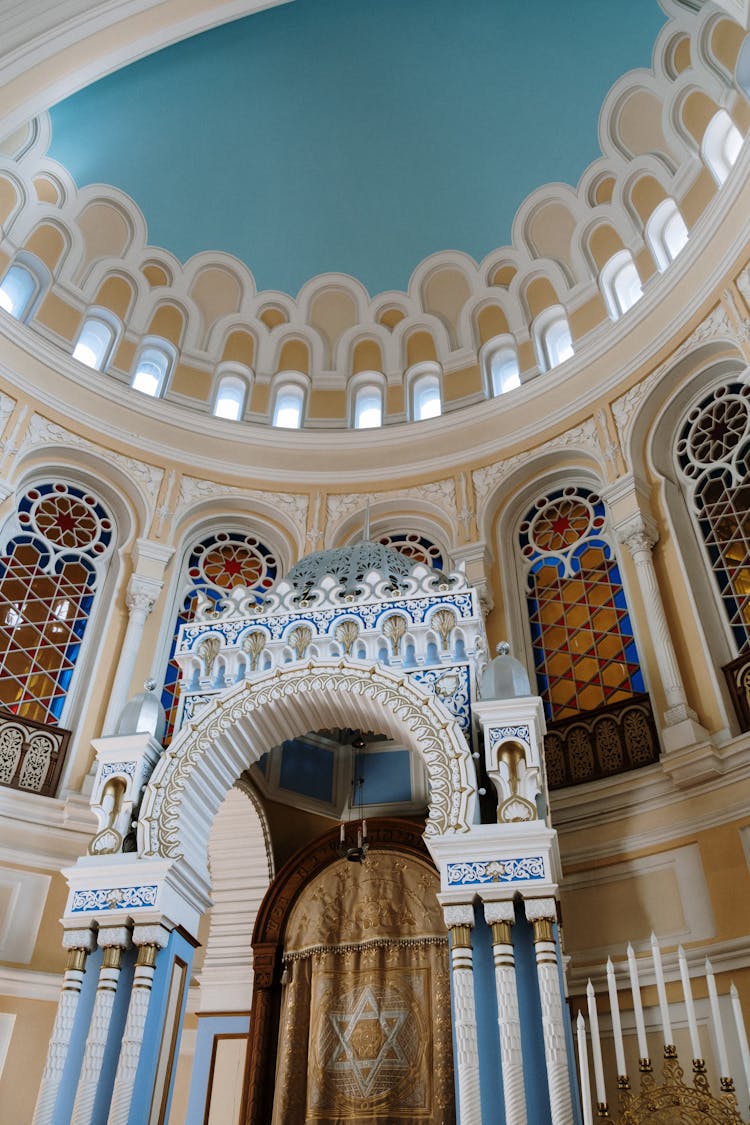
(365, 1025)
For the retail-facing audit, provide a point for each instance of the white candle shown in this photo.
(661, 991)
(616, 1025)
(640, 1027)
(713, 996)
(695, 1042)
(583, 1066)
(741, 1033)
(596, 1044)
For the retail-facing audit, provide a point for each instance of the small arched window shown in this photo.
(620, 283)
(426, 401)
(504, 374)
(368, 407)
(554, 343)
(289, 407)
(95, 342)
(666, 233)
(151, 370)
(18, 289)
(721, 145)
(229, 401)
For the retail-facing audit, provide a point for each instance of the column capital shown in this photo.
(157, 935)
(114, 935)
(142, 593)
(499, 912)
(79, 939)
(540, 908)
(462, 915)
(638, 533)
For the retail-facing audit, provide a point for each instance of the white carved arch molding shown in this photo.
(235, 729)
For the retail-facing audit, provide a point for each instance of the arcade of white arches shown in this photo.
(374, 562)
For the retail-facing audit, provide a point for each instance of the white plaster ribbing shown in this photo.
(465, 1031)
(101, 1018)
(553, 1028)
(508, 1017)
(62, 1030)
(240, 873)
(149, 939)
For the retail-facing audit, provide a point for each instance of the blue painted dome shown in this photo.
(355, 137)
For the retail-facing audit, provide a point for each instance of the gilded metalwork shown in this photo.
(672, 1102)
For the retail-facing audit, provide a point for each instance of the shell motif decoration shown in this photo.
(394, 629)
(346, 634)
(300, 639)
(208, 650)
(253, 645)
(445, 622)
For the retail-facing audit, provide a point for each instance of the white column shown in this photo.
(113, 941)
(140, 598)
(541, 912)
(460, 920)
(149, 939)
(639, 535)
(500, 916)
(79, 943)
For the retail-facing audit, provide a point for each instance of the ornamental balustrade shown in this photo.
(601, 743)
(32, 754)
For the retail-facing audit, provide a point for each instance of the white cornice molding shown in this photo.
(726, 957)
(26, 984)
(647, 790)
(43, 832)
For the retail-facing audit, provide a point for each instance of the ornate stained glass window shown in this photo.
(49, 571)
(214, 567)
(416, 547)
(713, 455)
(584, 651)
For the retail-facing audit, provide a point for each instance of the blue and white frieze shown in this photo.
(119, 769)
(114, 898)
(517, 733)
(527, 869)
(452, 686)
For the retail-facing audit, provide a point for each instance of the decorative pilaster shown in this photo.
(149, 939)
(500, 916)
(639, 535)
(460, 921)
(79, 943)
(149, 563)
(541, 912)
(113, 941)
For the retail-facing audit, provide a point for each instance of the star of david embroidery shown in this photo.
(367, 1041)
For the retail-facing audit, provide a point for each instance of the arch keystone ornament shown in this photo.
(203, 762)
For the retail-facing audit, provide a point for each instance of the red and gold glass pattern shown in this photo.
(416, 547)
(713, 454)
(584, 651)
(219, 564)
(47, 585)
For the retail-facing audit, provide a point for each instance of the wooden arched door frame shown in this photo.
(401, 836)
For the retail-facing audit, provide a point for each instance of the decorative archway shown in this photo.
(230, 733)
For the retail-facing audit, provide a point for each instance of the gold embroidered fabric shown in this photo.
(365, 1031)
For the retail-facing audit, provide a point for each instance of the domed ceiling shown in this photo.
(352, 136)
